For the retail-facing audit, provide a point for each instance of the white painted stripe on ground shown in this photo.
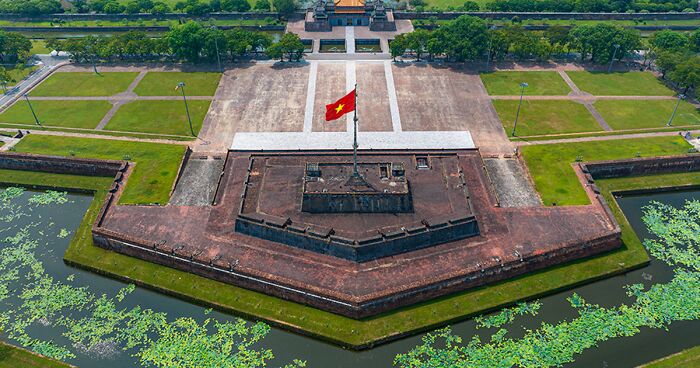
(350, 40)
(294, 141)
(310, 97)
(393, 100)
(350, 80)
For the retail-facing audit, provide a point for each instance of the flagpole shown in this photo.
(356, 173)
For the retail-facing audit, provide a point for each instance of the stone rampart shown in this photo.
(642, 166)
(60, 165)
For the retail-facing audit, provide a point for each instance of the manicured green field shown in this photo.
(635, 114)
(539, 83)
(686, 358)
(555, 180)
(39, 47)
(79, 84)
(154, 173)
(164, 84)
(73, 114)
(163, 117)
(13, 357)
(619, 84)
(539, 117)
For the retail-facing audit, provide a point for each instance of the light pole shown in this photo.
(181, 87)
(488, 56)
(673, 115)
(36, 119)
(4, 86)
(517, 114)
(216, 43)
(617, 47)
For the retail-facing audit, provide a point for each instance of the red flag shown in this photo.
(341, 107)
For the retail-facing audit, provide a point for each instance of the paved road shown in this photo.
(47, 65)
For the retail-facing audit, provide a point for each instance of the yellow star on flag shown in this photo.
(339, 108)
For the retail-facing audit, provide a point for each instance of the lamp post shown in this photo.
(517, 114)
(181, 87)
(488, 55)
(36, 119)
(617, 47)
(673, 115)
(216, 43)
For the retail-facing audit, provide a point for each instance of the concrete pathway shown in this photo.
(511, 183)
(393, 100)
(110, 114)
(350, 40)
(310, 97)
(200, 177)
(99, 136)
(8, 142)
(598, 118)
(600, 138)
(121, 97)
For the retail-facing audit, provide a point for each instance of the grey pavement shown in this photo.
(199, 180)
(511, 183)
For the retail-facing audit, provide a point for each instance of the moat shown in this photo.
(621, 352)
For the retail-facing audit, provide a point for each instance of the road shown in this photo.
(48, 64)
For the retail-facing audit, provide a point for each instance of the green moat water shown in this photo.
(647, 345)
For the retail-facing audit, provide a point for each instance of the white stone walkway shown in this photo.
(350, 40)
(393, 100)
(293, 141)
(310, 97)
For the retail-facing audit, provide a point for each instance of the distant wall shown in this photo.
(542, 16)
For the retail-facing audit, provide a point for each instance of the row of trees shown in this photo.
(588, 6)
(191, 42)
(192, 7)
(469, 38)
(675, 54)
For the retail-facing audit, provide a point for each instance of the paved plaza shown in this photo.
(266, 97)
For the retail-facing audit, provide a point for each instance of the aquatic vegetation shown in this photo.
(97, 324)
(676, 242)
(507, 315)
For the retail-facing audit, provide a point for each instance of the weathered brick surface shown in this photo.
(512, 242)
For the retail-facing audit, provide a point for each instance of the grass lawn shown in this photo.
(14, 357)
(73, 114)
(163, 117)
(686, 358)
(555, 180)
(83, 253)
(539, 83)
(39, 47)
(635, 114)
(153, 176)
(545, 117)
(78, 84)
(619, 84)
(164, 83)
(17, 73)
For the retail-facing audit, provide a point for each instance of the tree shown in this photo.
(668, 60)
(468, 38)
(471, 6)
(235, 5)
(262, 5)
(14, 47)
(187, 40)
(397, 46)
(669, 40)
(598, 41)
(291, 45)
(284, 6)
(54, 44)
(687, 73)
(5, 78)
(417, 41)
